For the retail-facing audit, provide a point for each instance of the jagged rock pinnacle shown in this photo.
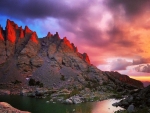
(86, 57)
(21, 35)
(49, 34)
(67, 43)
(34, 37)
(11, 31)
(27, 30)
(1, 34)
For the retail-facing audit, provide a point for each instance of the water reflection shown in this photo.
(40, 106)
(104, 106)
(95, 107)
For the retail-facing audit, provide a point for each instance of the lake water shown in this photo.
(40, 106)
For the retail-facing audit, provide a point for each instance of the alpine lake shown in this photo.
(35, 105)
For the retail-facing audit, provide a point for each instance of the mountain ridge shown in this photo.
(47, 59)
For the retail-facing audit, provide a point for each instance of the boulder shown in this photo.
(76, 100)
(7, 108)
(130, 108)
(68, 101)
(24, 92)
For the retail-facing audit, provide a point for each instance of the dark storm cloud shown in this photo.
(36, 9)
(86, 20)
(71, 17)
(131, 7)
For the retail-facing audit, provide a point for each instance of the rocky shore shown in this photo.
(139, 99)
(7, 108)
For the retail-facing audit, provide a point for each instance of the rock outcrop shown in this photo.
(51, 60)
(139, 98)
(124, 79)
(7, 108)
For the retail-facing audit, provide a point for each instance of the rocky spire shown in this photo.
(11, 31)
(1, 34)
(86, 58)
(21, 35)
(34, 37)
(75, 48)
(27, 30)
(56, 36)
(67, 43)
(49, 34)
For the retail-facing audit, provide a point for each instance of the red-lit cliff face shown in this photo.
(27, 30)
(21, 35)
(67, 42)
(1, 34)
(11, 31)
(75, 48)
(86, 57)
(34, 38)
(125, 79)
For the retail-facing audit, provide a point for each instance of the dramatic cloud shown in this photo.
(103, 28)
(119, 64)
(131, 7)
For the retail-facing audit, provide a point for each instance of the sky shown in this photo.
(114, 33)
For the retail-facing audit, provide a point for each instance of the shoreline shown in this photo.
(7, 108)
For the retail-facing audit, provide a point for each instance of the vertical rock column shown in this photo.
(10, 37)
(2, 47)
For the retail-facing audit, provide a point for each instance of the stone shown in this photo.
(4, 92)
(130, 108)
(24, 92)
(7, 108)
(68, 101)
(76, 100)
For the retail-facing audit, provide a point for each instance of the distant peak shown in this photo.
(27, 30)
(49, 34)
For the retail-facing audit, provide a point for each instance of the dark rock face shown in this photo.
(139, 98)
(48, 59)
(124, 79)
